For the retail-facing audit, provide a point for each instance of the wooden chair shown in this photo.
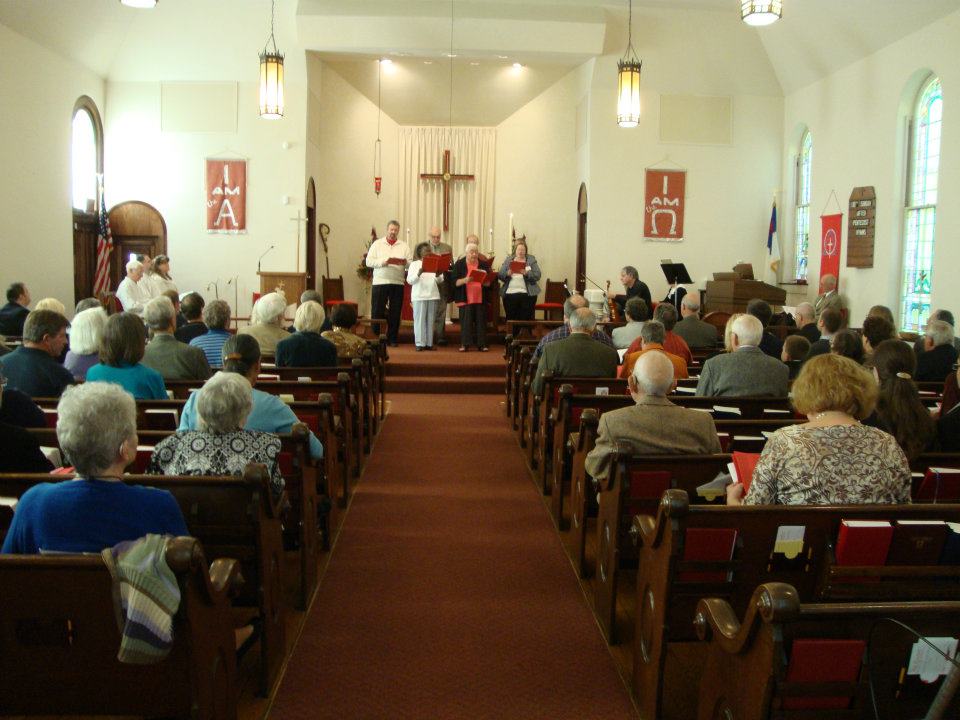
(553, 298)
(59, 640)
(332, 291)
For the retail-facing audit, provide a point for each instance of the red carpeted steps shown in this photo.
(445, 371)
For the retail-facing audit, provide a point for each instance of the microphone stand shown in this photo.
(261, 257)
(216, 288)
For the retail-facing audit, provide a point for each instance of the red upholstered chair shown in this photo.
(553, 298)
(256, 296)
(332, 292)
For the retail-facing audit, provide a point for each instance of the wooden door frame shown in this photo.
(311, 239)
(581, 272)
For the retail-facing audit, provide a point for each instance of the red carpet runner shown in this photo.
(448, 594)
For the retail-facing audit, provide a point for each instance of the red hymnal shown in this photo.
(940, 484)
(708, 545)
(745, 463)
(863, 542)
(518, 266)
(396, 261)
(917, 542)
(436, 263)
(477, 276)
(821, 661)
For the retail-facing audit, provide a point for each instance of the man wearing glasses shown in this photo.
(438, 247)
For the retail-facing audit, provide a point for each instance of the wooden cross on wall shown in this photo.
(446, 177)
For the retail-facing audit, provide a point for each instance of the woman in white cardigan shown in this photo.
(424, 297)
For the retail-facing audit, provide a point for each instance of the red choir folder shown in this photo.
(821, 661)
(396, 261)
(437, 263)
(708, 545)
(518, 266)
(477, 276)
(863, 542)
(745, 463)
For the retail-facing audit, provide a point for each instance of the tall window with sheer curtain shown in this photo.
(802, 221)
(84, 159)
(920, 216)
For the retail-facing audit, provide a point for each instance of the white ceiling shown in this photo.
(218, 40)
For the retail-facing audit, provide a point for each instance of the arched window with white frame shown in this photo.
(920, 212)
(86, 154)
(802, 203)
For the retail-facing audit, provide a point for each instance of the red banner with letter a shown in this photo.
(226, 196)
(664, 204)
(830, 232)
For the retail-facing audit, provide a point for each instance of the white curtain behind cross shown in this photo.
(472, 152)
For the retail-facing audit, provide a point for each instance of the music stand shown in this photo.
(675, 272)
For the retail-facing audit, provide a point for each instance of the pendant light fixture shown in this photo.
(378, 145)
(271, 76)
(761, 12)
(628, 81)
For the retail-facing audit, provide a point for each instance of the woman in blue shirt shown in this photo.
(121, 350)
(241, 355)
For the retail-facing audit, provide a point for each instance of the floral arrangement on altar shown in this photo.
(363, 272)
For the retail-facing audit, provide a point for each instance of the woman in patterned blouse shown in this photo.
(833, 459)
(220, 446)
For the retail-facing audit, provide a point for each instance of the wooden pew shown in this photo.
(234, 517)
(667, 660)
(59, 640)
(512, 354)
(748, 664)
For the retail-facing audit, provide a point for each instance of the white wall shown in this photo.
(39, 89)
(858, 125)
(166, 169)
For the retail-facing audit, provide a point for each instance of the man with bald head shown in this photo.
(438, 247)
(654, 425)
(578, 354)
(828, 297)
(806, 317)
(572, 303)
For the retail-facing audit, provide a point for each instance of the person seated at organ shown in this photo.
(572, 303)
(806, 318)
(633, 287)
(122, 347)
(635, 312)
(694, 331)
(577, 355)
(666, 315)
(306, 348)
(651, 340)
(85, 333)
(746, 370)
(33, 368)
(14, 314)
(133, 296)
(899, 410)
(220, 445)
(266, 320)
(97, 434)
(343, 318)
(519, 290)
(795, 349)
(171, 358)
(191, 307)
(833, 459)
(848, 343)
(216, 316)
(937, 360)
(654, 424)
(828, 324)
(241, 355)
(875, 330)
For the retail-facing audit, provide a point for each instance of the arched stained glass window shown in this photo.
(802, 226)
(84, 159)
(920, 217)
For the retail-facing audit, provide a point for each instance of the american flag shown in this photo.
(101, 283)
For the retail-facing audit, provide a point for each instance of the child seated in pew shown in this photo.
(833, 459)
(97, 432)
(795, 348)
(241, 355)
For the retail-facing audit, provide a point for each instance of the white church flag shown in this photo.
(226, 198)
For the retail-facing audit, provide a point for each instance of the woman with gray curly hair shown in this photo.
(97, 432)
(216, 316)
(85, 333)
(220, 445)
(266, 320)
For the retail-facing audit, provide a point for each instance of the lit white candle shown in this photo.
(510, 229)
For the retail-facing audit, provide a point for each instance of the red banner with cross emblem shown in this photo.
(830, 229)
(663, 204)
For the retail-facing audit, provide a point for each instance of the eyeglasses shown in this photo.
(434, 237)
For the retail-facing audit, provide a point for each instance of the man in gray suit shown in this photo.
(636, 311)
(577, 355)
(745, 371)
(654, 425)
(438, 247)
(691, 328)
(829, 297)
(171, 358)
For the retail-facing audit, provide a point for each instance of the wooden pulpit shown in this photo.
(291, 284)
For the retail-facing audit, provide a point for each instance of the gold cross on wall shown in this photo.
(446, 177)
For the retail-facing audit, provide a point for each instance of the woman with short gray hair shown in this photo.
(220, 445)
(265, 322)
(97, 432)
(85, 333)
(216, 316)
(306, 347)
